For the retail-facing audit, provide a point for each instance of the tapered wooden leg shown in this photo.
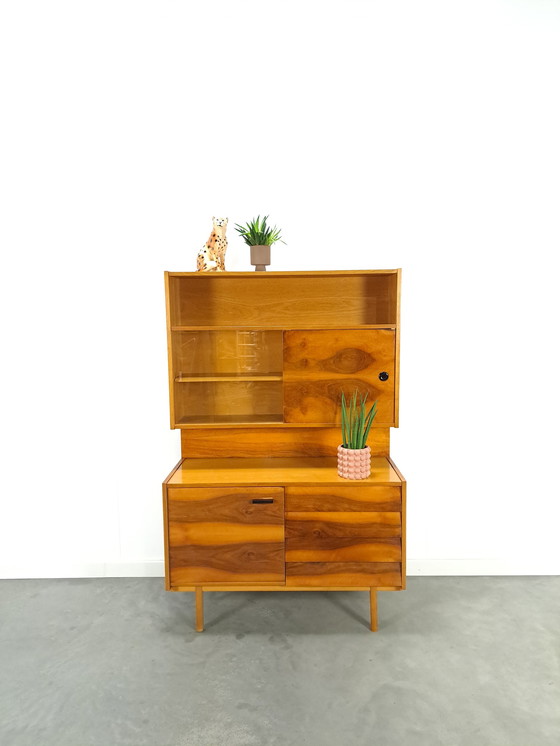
(199, 609)
(373, 608)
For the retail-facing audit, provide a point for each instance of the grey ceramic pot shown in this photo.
(260, 257)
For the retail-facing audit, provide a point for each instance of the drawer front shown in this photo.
(328, 548)
(226, 504)
(314, 528)
(332, 574)
(338, 549)
(343, 498)
(226, 535)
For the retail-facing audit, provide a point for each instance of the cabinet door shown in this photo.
(225, 535)
(318, 365)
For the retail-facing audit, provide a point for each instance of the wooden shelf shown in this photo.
(198, 472)
(237, 377)
(257, 328)
(291, 273)
(283, 300)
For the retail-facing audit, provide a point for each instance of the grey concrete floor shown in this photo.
(115, 662)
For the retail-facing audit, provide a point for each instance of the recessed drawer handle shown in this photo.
(261, 500)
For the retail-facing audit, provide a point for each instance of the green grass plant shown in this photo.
(258, 233)
(356, 422)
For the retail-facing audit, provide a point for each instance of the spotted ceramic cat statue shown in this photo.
(212, 257)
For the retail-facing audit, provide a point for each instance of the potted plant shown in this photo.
(260, 237)
(354, 456)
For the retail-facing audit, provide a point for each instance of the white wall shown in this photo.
(376, 134)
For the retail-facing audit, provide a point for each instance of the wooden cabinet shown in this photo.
(257, 363)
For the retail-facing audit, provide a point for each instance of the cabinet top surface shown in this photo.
(304, 273)
(205, 472)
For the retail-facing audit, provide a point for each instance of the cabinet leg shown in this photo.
(199, 609)
(373, 608)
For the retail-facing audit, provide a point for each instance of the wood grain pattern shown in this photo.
(275, 441)
(319, 364)
(373, 609)
(231, 506)
(305, 471)
(231, 402)
(267, 587)
(256, 559)
(357, 549)
(202, 533)
(334, 498)
(221, 536)
(227, 376)
(282, 299)
(185, 577)
(315, 527)
(396, 303)
(227, 352)
(332, 574)
(270, 327)
(166, 526)
(166, 537)
(199, 601)
(403, 521)
(170, 352)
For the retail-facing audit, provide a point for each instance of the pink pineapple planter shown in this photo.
(354, 463)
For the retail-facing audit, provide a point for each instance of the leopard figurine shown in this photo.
(212, 256)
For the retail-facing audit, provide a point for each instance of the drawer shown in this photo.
(336, 549)
(346, 498)
(314, 528)
(239, 505)
(332, 574)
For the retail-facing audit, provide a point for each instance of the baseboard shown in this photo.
(155, 568)
(130, 569)
(504, 566)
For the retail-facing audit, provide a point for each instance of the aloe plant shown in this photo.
(356, 423)
(258, 233)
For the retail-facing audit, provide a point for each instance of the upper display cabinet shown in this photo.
(277, 348)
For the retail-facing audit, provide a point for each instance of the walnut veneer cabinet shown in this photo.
(257, 362)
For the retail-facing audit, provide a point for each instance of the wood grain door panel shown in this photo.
(220, 535)
(319, 364)
(246, 562)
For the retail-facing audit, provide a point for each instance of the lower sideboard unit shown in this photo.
(283, 524)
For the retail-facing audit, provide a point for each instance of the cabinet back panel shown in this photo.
(277, 442)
